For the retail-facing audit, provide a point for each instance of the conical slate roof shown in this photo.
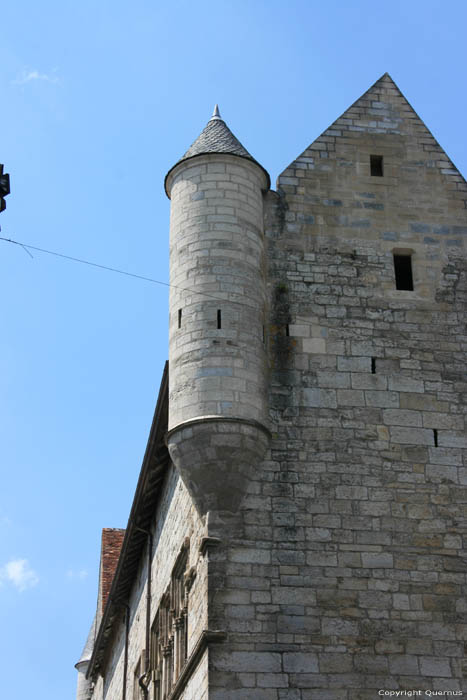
(216, 137)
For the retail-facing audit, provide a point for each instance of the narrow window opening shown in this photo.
(403, 272)
(287, 333)
(435, 437)
(264, 334)
(179, 318)
(169, 647)
(219, 319)
(373, 365)
(376, 166)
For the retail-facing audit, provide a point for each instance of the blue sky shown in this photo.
(99, 99)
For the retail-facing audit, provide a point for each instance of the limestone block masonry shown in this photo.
(175, 507)
(218, 409)
(316, 426)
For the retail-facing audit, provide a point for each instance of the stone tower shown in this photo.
(332, 565)
(218, 371)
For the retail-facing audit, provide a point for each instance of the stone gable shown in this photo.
(315, 509)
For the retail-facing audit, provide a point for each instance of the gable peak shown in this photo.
(385, 78)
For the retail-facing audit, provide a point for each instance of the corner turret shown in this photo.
(218, 409)
(84, 689)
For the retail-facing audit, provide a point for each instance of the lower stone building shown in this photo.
(298, 526)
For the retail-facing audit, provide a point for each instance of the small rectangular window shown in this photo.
(376, 166)
(179, 318)
(403, 272)
(219, 319)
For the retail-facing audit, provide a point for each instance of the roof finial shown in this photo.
(216, 114)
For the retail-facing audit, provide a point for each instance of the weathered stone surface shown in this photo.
(378, 560)
(404, 665)
(300, 662)
(434, 666)
(338, 567)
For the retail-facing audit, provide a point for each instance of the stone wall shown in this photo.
(218, 408)
(175, 520)
(217, 295)
(346, 574)
(343, 572)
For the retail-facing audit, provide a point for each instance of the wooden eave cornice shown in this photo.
(155, 462)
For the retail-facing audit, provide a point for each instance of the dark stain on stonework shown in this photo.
(281, 344)
(281, 209)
